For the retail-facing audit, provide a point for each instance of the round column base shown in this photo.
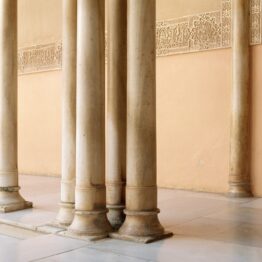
(143, 227)
(65, 214)
(139, 223)
(116, 215)
(239, 191)
(90, 223)
(138, 239)
(11, 200)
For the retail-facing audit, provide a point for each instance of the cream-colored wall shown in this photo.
(39, 22)
(193, 105)
(168, 9)
(256, 126)
(193, 110)
(39, 126)
(39, 97)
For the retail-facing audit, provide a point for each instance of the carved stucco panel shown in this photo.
(40, 58)
(255, 22)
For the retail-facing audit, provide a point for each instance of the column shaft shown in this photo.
(66, 212)
(116, 109)
(141, 222)
(239, 184)
(90, 199)
(10, 198)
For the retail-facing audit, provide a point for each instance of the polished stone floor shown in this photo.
(207, 227)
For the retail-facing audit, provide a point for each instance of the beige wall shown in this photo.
(39, 127)
(193, 105)
(256, 138)
(39, 111)
(39, 22)
(193, 93)
(168, 9)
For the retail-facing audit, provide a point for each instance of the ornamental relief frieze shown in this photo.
(40, 58)
(205, 31)
(193, 33)
(255, 21)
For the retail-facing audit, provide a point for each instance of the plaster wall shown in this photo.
(256, 123)
(169, 9)
(39, 125)
(193, 105)
(193, 114)
(39, 22)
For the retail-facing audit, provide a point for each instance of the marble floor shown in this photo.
(207, 227)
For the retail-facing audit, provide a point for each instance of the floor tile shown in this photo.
(222, 230)
(91, 255)
(38, 248)
(256, 203)
(184, 248)
(7, 240)
(185, 208)
(16, 232)
(239, 214)
(34, 217)
(205, 227)
(244, 234)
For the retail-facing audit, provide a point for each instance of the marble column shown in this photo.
(116, 111)
(90, 196)
(66, 211)
(10, 199)
(141, 223)
(239, 177)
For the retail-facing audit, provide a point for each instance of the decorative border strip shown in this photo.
(255, 21)
(40, 58)
(195, 33)
(206, 31)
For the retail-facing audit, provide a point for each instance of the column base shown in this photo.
(82, 237)
(65, 214)
(90, 223)
(116, 215)
(141, 226)
(239, 191)
(51, 228)
(139, 239)
(11, 200)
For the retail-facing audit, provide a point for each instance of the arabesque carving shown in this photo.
(40, 58)
(255, 23)
(195, 33)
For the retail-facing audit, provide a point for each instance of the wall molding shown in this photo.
(195, 33)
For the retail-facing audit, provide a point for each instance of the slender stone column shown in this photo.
(66, 212)
(10, 199)
(239, 178)
(90, 199)
(116, 108)
(141, 223)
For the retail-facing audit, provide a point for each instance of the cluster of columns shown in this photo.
(129, 189)
(126, 198)
(130, 194)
